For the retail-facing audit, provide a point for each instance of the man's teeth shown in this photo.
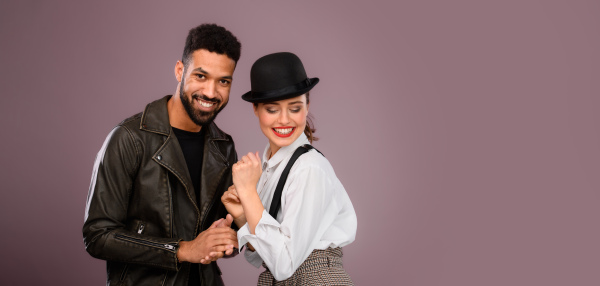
(206, 104)
(283, 131)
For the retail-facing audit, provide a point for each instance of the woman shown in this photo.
(300, 242)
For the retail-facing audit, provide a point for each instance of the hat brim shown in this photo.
(284, 93)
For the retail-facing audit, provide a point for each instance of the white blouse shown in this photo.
(315, 213)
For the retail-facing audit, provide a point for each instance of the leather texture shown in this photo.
(141, 200)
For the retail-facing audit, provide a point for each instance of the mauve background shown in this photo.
(465, 132)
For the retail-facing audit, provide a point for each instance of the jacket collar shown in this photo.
(155, 118)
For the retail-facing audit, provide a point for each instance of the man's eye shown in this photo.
(225, 82)
(201, 76)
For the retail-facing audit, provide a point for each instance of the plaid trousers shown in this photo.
(322, 267)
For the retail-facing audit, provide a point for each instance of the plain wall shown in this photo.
(465, 132)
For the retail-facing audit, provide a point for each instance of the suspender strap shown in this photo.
(276, 202)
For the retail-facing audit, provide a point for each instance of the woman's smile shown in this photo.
(284, 131)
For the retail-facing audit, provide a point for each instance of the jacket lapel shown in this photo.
(214, 167)
(171, 157)
(214, 164)
(155, 119)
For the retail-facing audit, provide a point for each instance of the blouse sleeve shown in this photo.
(309, 209)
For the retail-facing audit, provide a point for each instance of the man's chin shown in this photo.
(204, 120)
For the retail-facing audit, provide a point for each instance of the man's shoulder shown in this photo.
(154, 117)
(132, 121)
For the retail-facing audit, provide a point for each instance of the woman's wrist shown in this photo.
(240, 221)
(245, 193)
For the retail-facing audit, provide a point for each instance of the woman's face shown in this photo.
(282, 121)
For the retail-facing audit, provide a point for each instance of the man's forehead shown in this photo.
(208, 62)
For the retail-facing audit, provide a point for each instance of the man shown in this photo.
(153, 210)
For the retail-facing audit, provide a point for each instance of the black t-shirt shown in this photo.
(192, 145)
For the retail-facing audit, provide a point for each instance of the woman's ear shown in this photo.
(255, 107)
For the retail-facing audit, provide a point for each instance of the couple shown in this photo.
(165, 180)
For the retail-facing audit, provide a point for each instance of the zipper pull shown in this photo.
(170, 247)
(141, 228)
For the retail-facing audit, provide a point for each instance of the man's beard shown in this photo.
(199, 117)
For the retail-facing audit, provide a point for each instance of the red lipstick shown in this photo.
(284, 135)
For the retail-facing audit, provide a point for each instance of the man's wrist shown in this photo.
(180, 255)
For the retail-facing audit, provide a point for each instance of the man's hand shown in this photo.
(210, 244)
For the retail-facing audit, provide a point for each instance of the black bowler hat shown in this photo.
(278, 76)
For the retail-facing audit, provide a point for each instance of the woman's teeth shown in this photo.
(283, 131)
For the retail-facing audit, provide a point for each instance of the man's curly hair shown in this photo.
(213, 38)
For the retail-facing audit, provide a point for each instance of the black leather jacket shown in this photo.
(141, 201)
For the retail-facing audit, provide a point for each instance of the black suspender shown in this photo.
(276, 202)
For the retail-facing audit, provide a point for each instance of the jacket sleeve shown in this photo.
(105, 232)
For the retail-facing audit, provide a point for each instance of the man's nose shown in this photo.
(210, 89)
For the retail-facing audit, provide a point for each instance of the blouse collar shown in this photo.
(283, 152)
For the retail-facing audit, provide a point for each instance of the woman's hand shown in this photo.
(232, 203)
(246, 174)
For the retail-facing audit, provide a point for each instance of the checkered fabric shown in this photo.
(322, 267)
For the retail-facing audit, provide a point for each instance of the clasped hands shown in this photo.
(219, 239)
(213, 243)
(246, 173)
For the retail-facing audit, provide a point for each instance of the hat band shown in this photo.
(258, 95)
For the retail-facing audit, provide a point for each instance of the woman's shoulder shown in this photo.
(313, 161)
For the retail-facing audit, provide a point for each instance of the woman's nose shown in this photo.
(284, 118)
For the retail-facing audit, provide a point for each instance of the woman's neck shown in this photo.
(272, 150)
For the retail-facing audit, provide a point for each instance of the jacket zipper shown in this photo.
(145, 242)
(140, 228)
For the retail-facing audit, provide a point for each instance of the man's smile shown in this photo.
(205, 105)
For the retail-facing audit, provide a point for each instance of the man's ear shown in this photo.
(179, 69)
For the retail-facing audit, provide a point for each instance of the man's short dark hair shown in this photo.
(213, 38)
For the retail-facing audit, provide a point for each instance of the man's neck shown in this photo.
(178, 117)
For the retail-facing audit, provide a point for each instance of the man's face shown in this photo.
(205, 85)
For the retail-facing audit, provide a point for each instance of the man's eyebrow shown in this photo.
(201, 70)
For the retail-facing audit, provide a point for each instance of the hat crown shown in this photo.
(276, 71)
